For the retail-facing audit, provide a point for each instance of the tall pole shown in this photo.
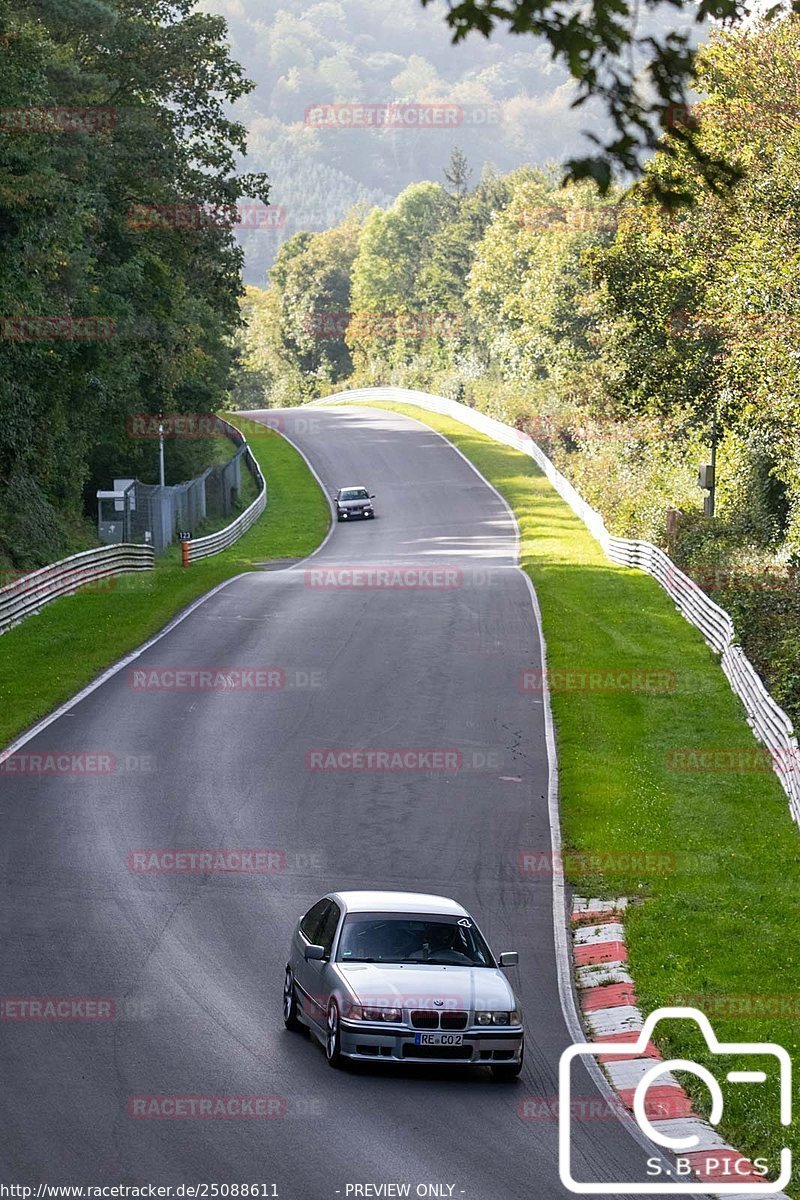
(713, 491)
(161, 449)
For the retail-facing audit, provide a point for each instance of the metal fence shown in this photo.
(214, 543)
(767, 719)
(29, 593)
(151, 514)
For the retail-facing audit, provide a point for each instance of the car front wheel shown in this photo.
(290, 1017)
(333, 1051)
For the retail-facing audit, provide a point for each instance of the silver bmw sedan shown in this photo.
(402, 977)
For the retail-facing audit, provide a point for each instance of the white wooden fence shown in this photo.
(769, 722)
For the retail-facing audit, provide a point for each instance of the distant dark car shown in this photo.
(352, 502)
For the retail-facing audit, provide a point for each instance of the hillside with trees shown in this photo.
(105, 315)
(619, 332)
(513, 102)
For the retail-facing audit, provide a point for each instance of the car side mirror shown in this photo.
(510, 958)
(372, 495)
(314, 952)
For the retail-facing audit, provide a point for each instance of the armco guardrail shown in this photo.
(30, 592)
(214, 543)
(769, 722)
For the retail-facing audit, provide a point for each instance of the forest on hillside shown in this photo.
(513, 104)
(618, 332)
(110, 110)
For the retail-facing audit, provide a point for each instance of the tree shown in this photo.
(457, 173)
(641, 75)
(71, 248)
(392, 251)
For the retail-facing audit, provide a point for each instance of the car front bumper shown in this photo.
(349, 514)
(382, 1042)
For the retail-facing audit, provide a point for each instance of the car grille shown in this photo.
(464, 1053)
(424, 1018)
(454, 1020)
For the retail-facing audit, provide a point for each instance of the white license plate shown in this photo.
(439, 1039)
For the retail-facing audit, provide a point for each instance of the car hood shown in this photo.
(409, 986)
(353, 503)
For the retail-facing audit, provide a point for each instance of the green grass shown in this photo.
(49, 657)
(222, 451)
(724, 921)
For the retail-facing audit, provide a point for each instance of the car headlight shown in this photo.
(483, 1018)
(360, 1012)
(498, 1018)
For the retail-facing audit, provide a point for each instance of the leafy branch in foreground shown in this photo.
(641, 79)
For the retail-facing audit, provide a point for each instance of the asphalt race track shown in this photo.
(193, 962)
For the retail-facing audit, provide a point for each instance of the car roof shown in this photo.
(353, 487)
(399, 902)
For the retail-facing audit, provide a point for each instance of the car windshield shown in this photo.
(354, 494)
(398, 938)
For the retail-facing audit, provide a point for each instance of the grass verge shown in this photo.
(716, 928)
(49, 657)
